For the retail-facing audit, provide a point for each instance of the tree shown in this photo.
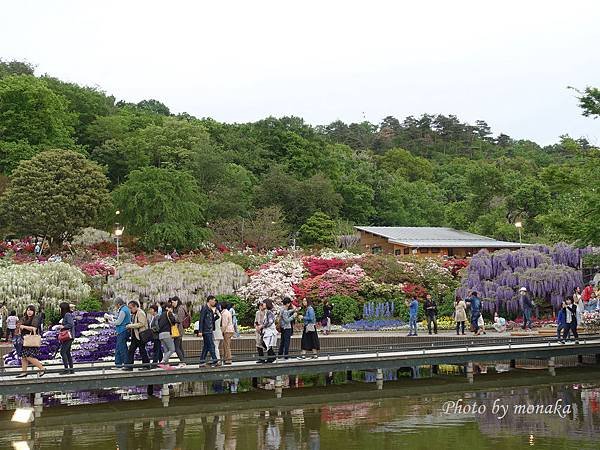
(164, 207)
(589, 101)
(402, 163)
(14, 67)
(30, 111)
(318, 230)
(154, 106)
(55, 194)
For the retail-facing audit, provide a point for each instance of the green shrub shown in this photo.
(243, 308)
(90, 304)
(345, 309)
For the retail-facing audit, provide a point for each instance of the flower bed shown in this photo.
(375, 325)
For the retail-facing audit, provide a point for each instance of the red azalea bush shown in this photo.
(318, 266)
(455, 265)
(411, 289)
(98, 268)
(333, 282)
(105, 248)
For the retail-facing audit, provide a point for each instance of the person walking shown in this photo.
(165, 323)
(180, 313)
(431, 311)
(269, 331)
(123, 319)
(139, 323)
(67, 324)
(475, 303)
(327, 310)
(527, 306)
(11, 325)
(413, 312)
(571, 321)
(228, 330)
(28, 326)
(234, 318)
(310, 339)
(207, 328)
(259, 318)
(218, 332)
(3, 322)
(460, 315)
(153, 324)
(287, 314)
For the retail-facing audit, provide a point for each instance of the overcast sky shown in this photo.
(506, 62)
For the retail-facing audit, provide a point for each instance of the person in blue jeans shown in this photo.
(123, 319)
(561, 322)
(207, 328)
(413, 311)
(475, 302)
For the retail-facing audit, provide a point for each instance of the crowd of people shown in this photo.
(156, 332)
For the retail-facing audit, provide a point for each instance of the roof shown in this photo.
(436, 237)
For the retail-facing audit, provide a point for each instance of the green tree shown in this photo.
(164, 207)
(14, 67)
(318, 230)
(54, 195)
(589, 101)
(154, 106)
(403, 163)
(30, 111)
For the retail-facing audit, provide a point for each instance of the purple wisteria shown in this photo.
(549, 273)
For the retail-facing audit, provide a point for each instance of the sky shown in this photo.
(506, 62)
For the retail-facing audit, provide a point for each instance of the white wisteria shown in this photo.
(48, 284)
(189, 281)
(91, 236)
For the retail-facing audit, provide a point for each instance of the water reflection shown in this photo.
(387, 423)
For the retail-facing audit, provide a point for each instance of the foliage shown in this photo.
(345, 309)
(318, 230)
(592, 259)
(163, 206)
(589, 101)
(243, 308)
(333, 282)
(97, 268)
(48, 284)
(90, 304)
(55, 195)
(191, 282)
(318, 266)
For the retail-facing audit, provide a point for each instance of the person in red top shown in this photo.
(587, 293)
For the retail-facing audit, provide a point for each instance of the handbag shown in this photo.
(64, 336)
(146, 336)
(175, 331)
(32, 340)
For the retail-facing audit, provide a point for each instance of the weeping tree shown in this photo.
(55, 194)
(549, 273)
(164, 207)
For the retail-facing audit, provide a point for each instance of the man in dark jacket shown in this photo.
(527, 305)
(207, 327)
(431, 312)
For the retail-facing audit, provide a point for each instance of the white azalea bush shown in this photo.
(50, 284)
(273, 282)
(189, 281)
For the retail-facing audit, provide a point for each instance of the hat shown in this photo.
(523, 289)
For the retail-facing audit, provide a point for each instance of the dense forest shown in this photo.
(70, 156)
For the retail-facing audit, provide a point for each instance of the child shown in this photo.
(11, 324)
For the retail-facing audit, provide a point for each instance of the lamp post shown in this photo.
(118, 233)
(519, 226)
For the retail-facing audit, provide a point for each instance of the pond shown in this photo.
(507, 418)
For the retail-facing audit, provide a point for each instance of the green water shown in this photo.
(411, 422)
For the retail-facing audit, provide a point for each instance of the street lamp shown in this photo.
(118, 233)
(519, 226)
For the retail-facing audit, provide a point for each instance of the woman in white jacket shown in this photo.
(218, 333)
(269, 331)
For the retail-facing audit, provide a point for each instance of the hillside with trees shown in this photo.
(74, 154)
